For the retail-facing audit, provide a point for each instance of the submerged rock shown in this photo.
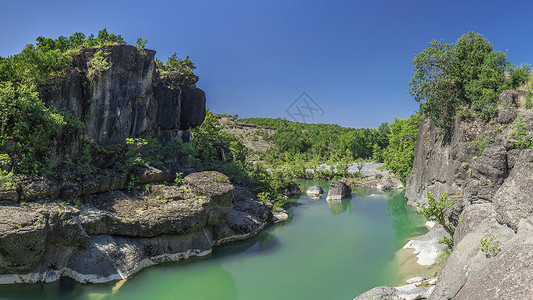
(338, 190)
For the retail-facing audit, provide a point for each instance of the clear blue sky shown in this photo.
(255, 58)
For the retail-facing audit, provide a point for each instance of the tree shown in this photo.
(469, 72)
(435, 210)
(399, 154)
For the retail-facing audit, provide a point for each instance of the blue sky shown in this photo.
(255, 58)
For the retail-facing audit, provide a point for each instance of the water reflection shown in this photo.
(338, 207)
(403, 217)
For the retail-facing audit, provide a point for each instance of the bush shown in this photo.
(98, 64)
(489, 245)
(434, 211)
(29, 127)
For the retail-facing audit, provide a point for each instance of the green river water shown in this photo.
(324, 251)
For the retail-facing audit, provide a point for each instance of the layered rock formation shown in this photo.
(111, 235)
(490, 179)
(113, 221)
(128, 99)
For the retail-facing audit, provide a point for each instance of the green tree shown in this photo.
(435, 209)
(446, 76)
(399, 154)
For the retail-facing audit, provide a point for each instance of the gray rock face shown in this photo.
(489, 179)
(338, 190)
(113, 234)
(379, 293)
(127, 100)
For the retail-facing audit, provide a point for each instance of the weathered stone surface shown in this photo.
(508, 276)
(426, 247)
(479, 165)
(314, 191)
(152, 175)
(8, 196)
(414, 291)
(514, 199)
(508, 97)
(35, 189)
(127, 100)
(26, 233)
(192, 107)
(89, 186)
(506, 116)
(379, 293)
(215, 186)
(338, 190)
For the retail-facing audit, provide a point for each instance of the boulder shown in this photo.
(314, 192)
(508, 97)
(338, 190)
(389, 182)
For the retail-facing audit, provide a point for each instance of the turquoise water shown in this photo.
(324, 251)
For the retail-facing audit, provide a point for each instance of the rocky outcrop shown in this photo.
(417, 288)
(488, 176)
(111, 235)
(128, 99)
(338, 190)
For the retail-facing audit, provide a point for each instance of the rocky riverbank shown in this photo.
(112, 235)
(485, 168)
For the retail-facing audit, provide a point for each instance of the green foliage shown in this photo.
(28, 127)
(214, 144)
(446, 76)
(490, 245)
(327, 142)
(529, 103)
(480, 143)
(141, 43)
(446, 241)
(176, 64)
(179, 179)
(434, 211)
(78, 40)
(142, 153)
(49, 58)
(399, 155)
(98, 64)
(8, 180)
(523, 137)
(33, 66)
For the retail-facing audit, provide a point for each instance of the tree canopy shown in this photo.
(468, 73)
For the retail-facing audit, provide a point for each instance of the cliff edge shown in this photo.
(487, 169)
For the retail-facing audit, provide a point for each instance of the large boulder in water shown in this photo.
(338, 190)
(314, 191)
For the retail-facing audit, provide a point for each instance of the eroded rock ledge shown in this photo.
(114, 234)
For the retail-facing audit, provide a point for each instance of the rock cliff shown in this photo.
(111, 235)
(108, 223)
(482, 166)
(126, 98)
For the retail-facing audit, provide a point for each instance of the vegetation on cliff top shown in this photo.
(31, 130)
(468, 74)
